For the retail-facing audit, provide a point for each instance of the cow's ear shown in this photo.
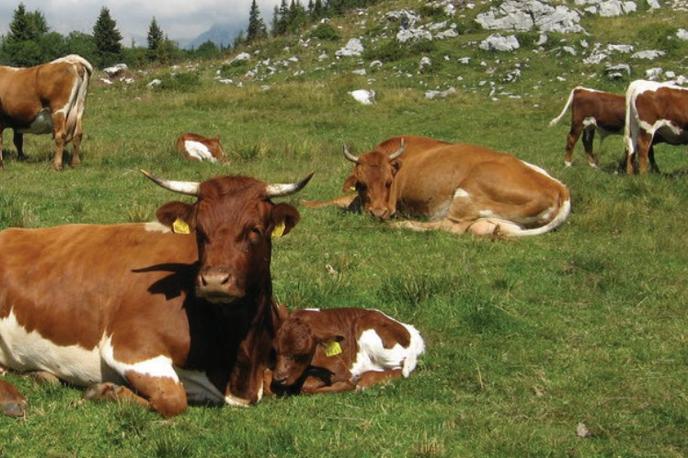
(284, 218)
(175, 211)
(396, 165)
(349, 184)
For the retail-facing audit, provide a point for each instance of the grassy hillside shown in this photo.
(526, 338)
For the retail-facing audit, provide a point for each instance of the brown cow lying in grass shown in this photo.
(329, 351)
(196, 147)
(458, 187)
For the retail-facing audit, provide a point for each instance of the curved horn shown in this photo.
(281, 190)
(399, 152)
(350, 156)
(189, 188)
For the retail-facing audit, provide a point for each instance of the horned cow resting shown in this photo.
(458, 187)
(321, 351)
(655, 112)
(199, 148)
(45, 99)
(591, 111)
(175, 317)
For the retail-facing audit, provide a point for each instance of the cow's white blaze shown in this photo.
(373, 356)
(199, 151)
(24, 351)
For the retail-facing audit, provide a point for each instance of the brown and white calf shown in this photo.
(459, 188)
(159, 313)
(328, 351)
(196, 147)
(592, 110)
(655, 113)
(45, 99)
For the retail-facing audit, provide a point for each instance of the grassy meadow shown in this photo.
(525, 338)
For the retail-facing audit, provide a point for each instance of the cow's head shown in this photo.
(373, 178)
(233, 220)
(295, 345)
(216, 149)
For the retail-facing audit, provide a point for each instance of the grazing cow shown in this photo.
(45, 99)
(178, 311)
(328, 351)
(199, 148)
(655, 112)
(460, 188)
(591, 111)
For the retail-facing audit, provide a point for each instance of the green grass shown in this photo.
(525, 338)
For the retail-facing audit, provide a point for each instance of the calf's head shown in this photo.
(295, 345)
(373, 178)
(233, 220)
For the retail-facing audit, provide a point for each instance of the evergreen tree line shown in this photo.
(30, 41)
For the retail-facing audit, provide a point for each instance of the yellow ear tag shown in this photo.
(278, 231)
(180, 227)
(333, 349)
(353, 188)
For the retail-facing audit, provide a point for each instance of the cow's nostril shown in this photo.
(204, 282)
(225, 280)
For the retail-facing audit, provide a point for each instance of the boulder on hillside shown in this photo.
(650, 54)
(497, 42)
(241, 57)
(525, 15)
(353, 48)
(608, 8)
(116, 70)
(363, 96)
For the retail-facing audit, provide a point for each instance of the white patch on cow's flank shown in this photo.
(461, 193)
(199, 151)
(155, 226)
(158, 366)
(29, 351)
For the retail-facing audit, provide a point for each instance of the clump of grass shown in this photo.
(15, 213)
(169, 447)
(181, 82)
(324, 32)
(412, 290)
(391, 50)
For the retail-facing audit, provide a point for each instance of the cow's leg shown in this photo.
(59, 135)
(342, 202)
(370, 378)
(571, 139)
(442, 225)
(12, 402)
(644, 143)
(654, 168)
(112, 392)
(588, 137)
(44, 378)
(313, 385)
(18, 139)
(76, 144)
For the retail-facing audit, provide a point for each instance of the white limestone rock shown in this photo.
(353, 48)
(363, 96)
(650, 54)
(497, 42)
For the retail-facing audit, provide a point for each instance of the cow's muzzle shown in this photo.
(218, 286)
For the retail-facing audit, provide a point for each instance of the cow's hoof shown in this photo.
(101, 392)
(57, 167)
(13, 408)
(22, 157)
(74, 163)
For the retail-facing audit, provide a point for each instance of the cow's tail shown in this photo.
(566, 107)
(84, 70)
(513, 230)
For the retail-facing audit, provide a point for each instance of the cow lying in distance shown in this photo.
(412, 146)
(45, 99)
(196, 147)
(329, 351)
(160, 314)
(592, 110)
(459, 188)
(655, 113)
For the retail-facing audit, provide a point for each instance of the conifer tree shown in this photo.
(155, 36)
(107, 38)
(256, 26)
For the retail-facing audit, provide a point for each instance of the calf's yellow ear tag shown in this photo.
(278, 231)
(333, 348)
(180, 227)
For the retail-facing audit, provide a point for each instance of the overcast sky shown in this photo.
(179, 19)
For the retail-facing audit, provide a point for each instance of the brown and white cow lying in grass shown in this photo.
(45, 99)
(196, 147)
(592, 110)
(458, 187)
(329, 351)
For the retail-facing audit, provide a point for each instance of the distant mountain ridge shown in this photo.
(220, 34)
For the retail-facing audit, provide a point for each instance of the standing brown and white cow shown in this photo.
(199, 148)
(592, 110)
(655, 112)
(459, 188)
(45, 99)
(161, 314)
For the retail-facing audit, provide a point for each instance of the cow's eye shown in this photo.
(254, 235)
